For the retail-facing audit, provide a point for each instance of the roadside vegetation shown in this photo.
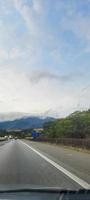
(76, 125)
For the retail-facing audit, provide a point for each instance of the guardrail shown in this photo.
(74, 142)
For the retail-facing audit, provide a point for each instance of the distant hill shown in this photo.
(76, 125)
(25, 123)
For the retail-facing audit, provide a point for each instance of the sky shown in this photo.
(44, 56)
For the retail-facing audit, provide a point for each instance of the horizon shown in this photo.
(44, 57)
(11, 116)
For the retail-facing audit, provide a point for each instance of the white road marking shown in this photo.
(81, 182)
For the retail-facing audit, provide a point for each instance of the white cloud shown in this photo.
(37, 6)
(28, 13)
(18, 94)
(15, 53)
(3, 54)
(83, 98)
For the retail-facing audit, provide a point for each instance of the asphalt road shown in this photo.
(21, 165)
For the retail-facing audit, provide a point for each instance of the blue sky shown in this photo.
(44, 56)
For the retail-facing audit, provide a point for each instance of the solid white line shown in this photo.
(81, 182)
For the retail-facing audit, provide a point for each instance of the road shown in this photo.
(40, 164)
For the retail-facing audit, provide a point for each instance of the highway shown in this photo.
(39, 164)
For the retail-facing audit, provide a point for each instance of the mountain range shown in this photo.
(23, 122)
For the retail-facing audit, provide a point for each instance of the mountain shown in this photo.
(25, 122)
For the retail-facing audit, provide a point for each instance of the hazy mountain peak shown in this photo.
(12, 116)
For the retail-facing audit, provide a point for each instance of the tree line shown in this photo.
(76, 125)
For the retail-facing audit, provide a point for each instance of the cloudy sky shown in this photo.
(44, 56)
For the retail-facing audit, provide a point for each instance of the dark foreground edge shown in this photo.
(45, 190)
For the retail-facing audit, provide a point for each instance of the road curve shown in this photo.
(20, 165)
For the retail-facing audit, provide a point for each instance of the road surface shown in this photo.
(40, 164)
